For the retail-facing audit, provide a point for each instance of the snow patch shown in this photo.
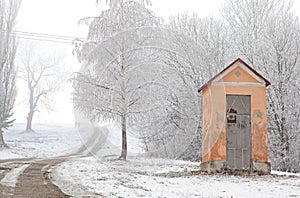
(8, 154)
(279, 173)
(11, 178)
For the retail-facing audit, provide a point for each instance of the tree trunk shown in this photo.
(31, 111)
(29, 122)
(124, 139)
(2, 143)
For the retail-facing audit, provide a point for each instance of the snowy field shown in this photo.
(146, 177)
(100, 174)
(47, 141)
(64, 139)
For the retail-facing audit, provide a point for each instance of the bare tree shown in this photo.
(44, 76)
(8, 48)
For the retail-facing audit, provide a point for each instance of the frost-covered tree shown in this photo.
(248, 21)
(206, 52)
(107, 86)
(8, 48)
(133, 73)
(210, 35)
(176, 122)
(115, 3)
(283, 44)
(266, 33)
(44, 76)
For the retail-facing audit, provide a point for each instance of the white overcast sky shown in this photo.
(60, 17)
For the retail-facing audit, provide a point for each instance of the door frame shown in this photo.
(250, 126)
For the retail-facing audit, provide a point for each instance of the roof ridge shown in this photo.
(231, 64)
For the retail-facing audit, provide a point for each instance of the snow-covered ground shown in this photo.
(147, 177)
(63, 139)
(101, 174)
(47, 141)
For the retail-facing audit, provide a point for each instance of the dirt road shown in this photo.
(32, 182)
(29, 178)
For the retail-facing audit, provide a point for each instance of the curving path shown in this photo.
(30, 177)
(32, 182)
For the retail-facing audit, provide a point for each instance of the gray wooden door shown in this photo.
(238, 132)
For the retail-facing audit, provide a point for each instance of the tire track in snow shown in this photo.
(11, 178)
